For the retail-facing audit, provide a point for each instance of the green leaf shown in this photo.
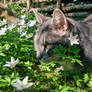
(86, 78)
(77, 80)
(3, 84)
(79, 62)
(2, 54)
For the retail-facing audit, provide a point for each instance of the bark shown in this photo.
(77, 14)
(28, 4)
(47, 9)
(67, 9)
(5, 3)
(80, 7)
(35, 1)
(21, 2)
(11, 0)
(58, 3)
(37, 4)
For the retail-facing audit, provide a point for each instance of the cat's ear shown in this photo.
(59, 19)
(40, 18)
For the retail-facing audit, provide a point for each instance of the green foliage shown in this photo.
(71, 53)
(43, 75)
(14, 6)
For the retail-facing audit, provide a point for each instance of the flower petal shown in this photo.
(76, 42)
(12, 59)
(29, 85)
(14, 85)
(7, 65)
(18, 82)
(71, 43)
(7, 62)
(25, 80)
(17, 60)
(18, 87)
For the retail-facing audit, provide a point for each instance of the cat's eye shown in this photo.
(48, 46)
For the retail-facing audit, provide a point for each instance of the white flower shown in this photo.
(29, 36)
(21, 22)
(23, 16)
(59, 69)
(12, 63)
(4, 21)
(20, 28)
(3, 30)
(20, 85)
(73, 39)
(31, 23)
(10, 27)
(22, 34)
(7, 46)
(23, 10)
(23, 26)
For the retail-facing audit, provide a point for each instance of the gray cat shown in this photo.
(57, 29)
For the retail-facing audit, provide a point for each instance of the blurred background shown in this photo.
(77, 9)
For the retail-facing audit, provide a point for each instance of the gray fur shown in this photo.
(52, 31)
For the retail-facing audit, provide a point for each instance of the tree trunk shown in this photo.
(5, 2)
(77, 14)
(11, 0)
(77, 8)
(37, 4)
(3, 5)
(28, 4)
(58, 3)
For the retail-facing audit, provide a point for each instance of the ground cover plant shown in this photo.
(20, 70)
